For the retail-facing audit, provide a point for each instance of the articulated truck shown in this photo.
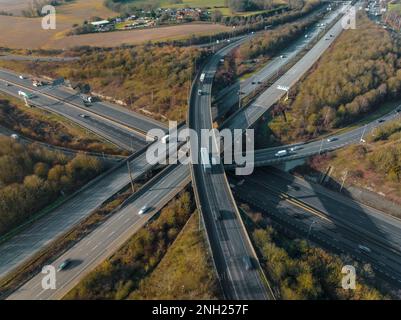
(205, 160)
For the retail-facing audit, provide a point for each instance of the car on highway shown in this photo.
(364, 248)
(63, 265)
(398, 110)
(165, 139)
(295, 148)
(84, 116)
(253, 82)
(15, 136)
(381, 120)
(143, 210)
(26, 95)
(21, 77)
(282, 56)
(219, 215)
(331, 139)
(247, 262)
(281, 153)
(199, 92)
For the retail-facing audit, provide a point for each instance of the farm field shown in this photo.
(13, 6)
(111, 39)
(38, 38)
(213, 4)
(77, 12)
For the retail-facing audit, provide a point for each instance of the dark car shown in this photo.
(398, 110)
(381, 120)
(247, 262)
(64, 265)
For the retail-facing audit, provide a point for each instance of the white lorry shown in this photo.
(281, 153)
(205, 160)
(202, 77)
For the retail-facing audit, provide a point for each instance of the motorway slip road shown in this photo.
(24, 245)
(119, 135)
(117, 113)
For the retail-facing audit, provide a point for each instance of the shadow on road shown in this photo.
(325, 217)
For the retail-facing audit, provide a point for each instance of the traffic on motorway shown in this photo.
(326, 218)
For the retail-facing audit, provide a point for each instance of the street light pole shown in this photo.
(309, 231)
(321, 147)
(363, 133)
(130, 176)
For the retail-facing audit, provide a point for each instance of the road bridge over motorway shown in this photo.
(241, 288)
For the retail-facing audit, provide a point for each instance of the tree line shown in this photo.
(32, 178)
(354, 77)
(304, 272)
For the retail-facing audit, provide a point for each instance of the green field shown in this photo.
(213, 4)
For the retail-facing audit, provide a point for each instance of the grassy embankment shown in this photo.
(299, 271)
(336, 97)
(154, 252)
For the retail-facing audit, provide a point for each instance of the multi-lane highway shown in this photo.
(331, 219)
(118, 125)
(267, 156)
(235, 287)
(121, 136)
(117, 114)
(231, 248)
(212, 190)
(249, 115)
(35, 237)
(109, 237)
(228, 97)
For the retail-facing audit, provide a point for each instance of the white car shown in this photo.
(331, 139)
(295, 148)
(281, 153)
(21, 77)
(83, 116)
(143, 210)
(165, 139)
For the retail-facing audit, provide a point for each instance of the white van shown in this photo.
(281, 153)
(165, 139)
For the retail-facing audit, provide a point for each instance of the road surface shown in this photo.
(108, 237)
(336, 221)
